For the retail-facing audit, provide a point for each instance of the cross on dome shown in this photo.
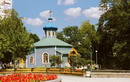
(50, 28)
(50, 18)
(50, 13)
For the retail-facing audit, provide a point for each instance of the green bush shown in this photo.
(55, 60)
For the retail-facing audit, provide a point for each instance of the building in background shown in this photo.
(5, 5)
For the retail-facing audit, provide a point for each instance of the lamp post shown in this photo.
(91, 52)
(96, 57)
(91, 61)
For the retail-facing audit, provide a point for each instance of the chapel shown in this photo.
(49, 45)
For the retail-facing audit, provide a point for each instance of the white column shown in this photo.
(51, 34)
(26, 62)
(47, 34)
(55, 50)
(61, 56)
(35, 56)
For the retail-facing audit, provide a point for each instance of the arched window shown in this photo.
(45, 58)
(73, 52)
(31, 59)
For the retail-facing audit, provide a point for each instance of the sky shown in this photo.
(64, 12)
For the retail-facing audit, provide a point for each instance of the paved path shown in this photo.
(83, 79)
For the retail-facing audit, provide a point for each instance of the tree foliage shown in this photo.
(89, 40)
(77, 61)
(4, 44)
(114, 31)
(70, 35)
(55, 60)
(15, 41)
(82, 39)
(34, 37)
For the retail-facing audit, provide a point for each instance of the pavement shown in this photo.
(84, 79)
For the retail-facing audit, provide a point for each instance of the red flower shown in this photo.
(17, 77)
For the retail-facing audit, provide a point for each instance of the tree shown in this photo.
(18, 39)
(55, 60)
(89, 40)
(60, 36)
(81, 38)
(4, 44)
(34, 37)
(114, 29)
(77, 61)
(70, 35)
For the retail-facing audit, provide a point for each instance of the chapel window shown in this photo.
(31, 59)
(73, 52)
(45, 58)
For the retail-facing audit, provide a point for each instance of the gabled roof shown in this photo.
(51, 42)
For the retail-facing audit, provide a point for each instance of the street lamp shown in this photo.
(96, 57)
(91, 52)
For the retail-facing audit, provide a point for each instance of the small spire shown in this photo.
(50, 12)
(50, 18)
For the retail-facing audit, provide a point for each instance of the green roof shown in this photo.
(51, 42)
(64, 51)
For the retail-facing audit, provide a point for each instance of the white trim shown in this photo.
(43, 58)
(61, 56)
(35, 55)
(45, 34)
(30, 59)
(26, 62)
(51, 34)
(55, 50)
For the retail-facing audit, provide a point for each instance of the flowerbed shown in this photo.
(17, 77)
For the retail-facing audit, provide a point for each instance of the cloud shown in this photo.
(73, 12)
(33, 21)
(93, 12)
(69, 2)
(45, 14)
(59, 2)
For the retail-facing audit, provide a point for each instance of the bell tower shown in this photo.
(50, 28)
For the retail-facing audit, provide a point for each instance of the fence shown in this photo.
(47, 70)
